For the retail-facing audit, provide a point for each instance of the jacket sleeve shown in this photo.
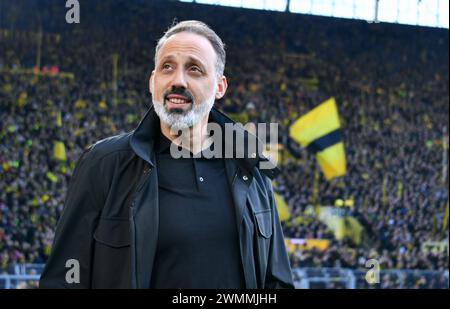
(69, 264)
(279, 273)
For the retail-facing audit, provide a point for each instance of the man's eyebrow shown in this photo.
(168, 58)
(191, 59)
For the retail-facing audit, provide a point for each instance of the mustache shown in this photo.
(179, 91)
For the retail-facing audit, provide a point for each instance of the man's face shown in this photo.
(184, 83)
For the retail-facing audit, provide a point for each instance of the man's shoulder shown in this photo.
(113, 145)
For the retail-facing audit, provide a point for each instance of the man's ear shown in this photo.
(150, 82)
(222, 86)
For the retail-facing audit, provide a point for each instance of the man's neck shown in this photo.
(195, 138)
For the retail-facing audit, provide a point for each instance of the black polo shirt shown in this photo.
(198, 243)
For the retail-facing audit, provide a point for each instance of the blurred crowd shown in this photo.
(390, 83)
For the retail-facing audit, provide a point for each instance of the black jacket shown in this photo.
(110, 219)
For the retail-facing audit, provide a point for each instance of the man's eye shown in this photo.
(195, 69)
(166, 66)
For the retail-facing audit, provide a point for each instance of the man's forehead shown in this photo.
(186, 44)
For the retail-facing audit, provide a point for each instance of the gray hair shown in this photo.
(202, 29)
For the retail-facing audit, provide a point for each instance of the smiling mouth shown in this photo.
(178, 101)
(178, 105)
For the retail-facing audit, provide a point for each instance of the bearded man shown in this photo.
(139, 216)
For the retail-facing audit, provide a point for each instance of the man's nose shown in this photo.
(179, 79)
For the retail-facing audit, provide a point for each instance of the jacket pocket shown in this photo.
(113, 232)
(111, 267)
(264, 222)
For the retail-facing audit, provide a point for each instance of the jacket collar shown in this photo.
(143, 138)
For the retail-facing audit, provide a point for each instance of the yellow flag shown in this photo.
(282, 207)
(342, 226)
(320, 132)
(445, 219)
(58, 119)
(59, 151)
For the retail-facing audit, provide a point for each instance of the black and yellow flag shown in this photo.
(320, 132)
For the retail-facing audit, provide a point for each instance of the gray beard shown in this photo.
(181, 121)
